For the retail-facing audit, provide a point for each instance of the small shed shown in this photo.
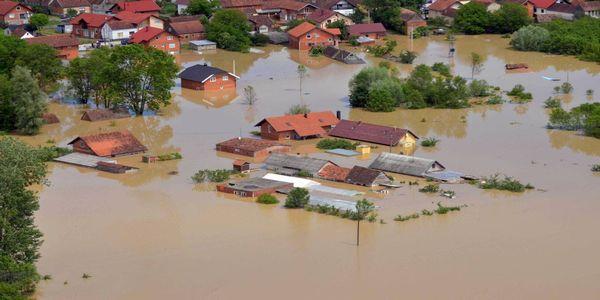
(150, 158)
(94, 115)
(241, 166)
(203, 45)
(114, 168)
(50, 118)
(363, 149)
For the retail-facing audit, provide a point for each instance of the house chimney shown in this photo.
(338, 114)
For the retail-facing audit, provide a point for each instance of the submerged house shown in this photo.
(252, 147)
(253, 187)
(407, 165)
(94, 115)
(372, 30)
(342, 55)
(205, 77)
(292, 164)
(366, 177)
(307, 36)
(297, 127)
(373, 133)
(108, 144)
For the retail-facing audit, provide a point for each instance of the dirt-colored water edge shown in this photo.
(151, 235)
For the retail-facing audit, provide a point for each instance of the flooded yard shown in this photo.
(155, 235)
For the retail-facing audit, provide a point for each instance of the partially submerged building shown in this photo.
(293, 165)
(416, 166)
(252, 147)
(253, 187)
(373, 133)
(94, 115)
(407, 165)
(205, 77)
(297, 127)
(342, 55)
(307, 36)
(366, 177)
(371, 30)
(109, 144)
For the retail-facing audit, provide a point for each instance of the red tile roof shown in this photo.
(138, 6)
(441, 5)
(145, 34)
(334, 31)
(117, 24)
(303, 125)
(286, 4)
(334, 173)
(360, 29)
(542, 3)
(249, 144)
(55, 41)
(371, 133)
(301, 29)
(590, 5)
(112, 143)
(7, 6)
(92, 20)
(73, 3)
(320, 15)
(131, 17)
(187, 27)
(240, 3)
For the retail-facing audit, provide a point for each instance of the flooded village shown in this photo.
(132, 206)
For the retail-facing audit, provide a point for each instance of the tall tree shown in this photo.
(230, 30)
(363, 209)
(144, 77)
(202, 7)
(80, 72)
(38, 21)
(10, 48)
(476, 64)
(28, 100)
(510, 17)
(472, 18)
(20, 167)
(43, 62)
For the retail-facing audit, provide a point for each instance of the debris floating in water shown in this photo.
(551, 78)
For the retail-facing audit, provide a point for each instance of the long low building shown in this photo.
(404, 164)
(253, 187)
(252, 147)
(373, 133)
(294, 164)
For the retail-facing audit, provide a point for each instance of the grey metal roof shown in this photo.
(202, 43)
(256, 184)
(403, 164)
(279, 161)
(83, 160)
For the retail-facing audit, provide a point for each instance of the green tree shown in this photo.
(358, 16)
(510, 18)
(105, 92)
(10, 49)
(472, 18)
(28, 100)
(363, 209)
(38, 21)
(230, 30)
(80, 73)
(530, 38)
(202, 7)
(380, 100)
(341, 25)
(71, 13)
(298, 109)
(359, 84)
(144, 77)
(297, 198)
(44, 64)
(476, 64)
(20, 167)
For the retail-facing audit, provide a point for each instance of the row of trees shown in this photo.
(585, 117)
(473, 18)
(388, 12)
(377, 89)
(132, 76)
(580, 37)
(26, 71)
(20, 167)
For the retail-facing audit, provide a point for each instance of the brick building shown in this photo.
(88, 25)
(373, 30)
(297, 127)
(112, 144)
(306, 36)
(156, 38)
(62, 7)
(14, 13)
(204, 77)
(252, 147)
(67, 46)
(187, 31)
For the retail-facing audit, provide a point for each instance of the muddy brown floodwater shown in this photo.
(151, 235)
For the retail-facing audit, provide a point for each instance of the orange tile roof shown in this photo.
(138, 6)
(301, 29)
(303, 125)
(92, 20)
(334, 173)
(145, 34)
(131, 17)
(112, 143)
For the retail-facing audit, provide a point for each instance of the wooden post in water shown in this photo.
(358, 232)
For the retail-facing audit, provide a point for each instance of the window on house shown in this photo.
(172, 45)
(18, 8)
(308, 35)
(11, 15)
(225, 77)
(213, 79)
(120, 35)
(169, 38)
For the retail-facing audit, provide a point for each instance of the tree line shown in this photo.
(26, 73)
(132, 76)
